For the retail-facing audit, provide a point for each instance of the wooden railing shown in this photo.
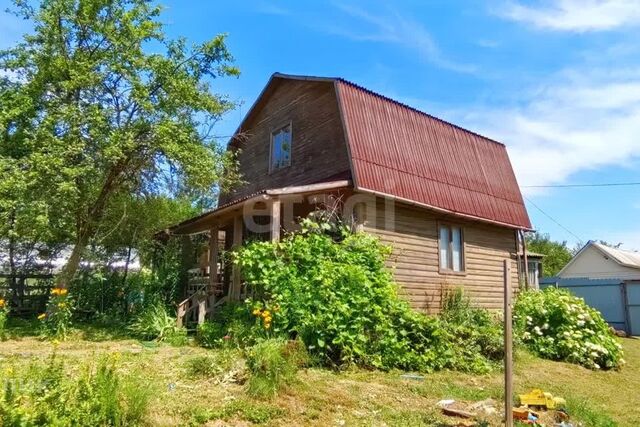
(199, 305)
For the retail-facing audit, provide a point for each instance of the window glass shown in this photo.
(444, 247)
(456, 248)
(451, 248)
(281, 148)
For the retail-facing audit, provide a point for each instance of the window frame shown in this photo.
(463, 264)
(271, 135)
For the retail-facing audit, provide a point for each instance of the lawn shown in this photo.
(322, 397)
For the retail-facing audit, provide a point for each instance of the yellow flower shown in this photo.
(256, 312)
(267, 319)
(55, 291)
(42, 316)
(266, 314)
(267, 325)
(2, 303)
(63, 291)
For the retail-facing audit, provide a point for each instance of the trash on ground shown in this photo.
(538, 398)
(458, 412)
(445, 402)
(412, 377)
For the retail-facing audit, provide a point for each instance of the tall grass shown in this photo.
(273, 364)
(100, 396)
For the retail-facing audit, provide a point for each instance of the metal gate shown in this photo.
(633, 306)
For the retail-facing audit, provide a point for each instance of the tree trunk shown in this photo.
(13, 280)
(87, 228)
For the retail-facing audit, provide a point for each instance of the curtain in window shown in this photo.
(444, 247)
(456, 248)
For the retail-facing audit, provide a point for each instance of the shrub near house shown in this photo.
(557, 325)
(331, 289)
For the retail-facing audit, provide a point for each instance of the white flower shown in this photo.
(580, 322)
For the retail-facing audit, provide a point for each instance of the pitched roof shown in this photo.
(403, 153)
(622, 257)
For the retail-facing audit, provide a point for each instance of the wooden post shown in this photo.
(202, 310)
(180, 316)
(237, 242)
(508, 347)
(213, 256)
(213, 267)
(359, 213)
(276, 206)
(525, 260)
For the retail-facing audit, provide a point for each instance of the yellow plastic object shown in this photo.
(541, 399)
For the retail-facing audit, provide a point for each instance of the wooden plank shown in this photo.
(202, 310)
(214, 249)
(276, 207)
(414, 259)
(238, 222)
(508, 348)
(312, 109)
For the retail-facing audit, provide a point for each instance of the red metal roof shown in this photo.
(404, 153)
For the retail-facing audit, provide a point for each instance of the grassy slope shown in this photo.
(323, 397)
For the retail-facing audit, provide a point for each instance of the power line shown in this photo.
(608, 184)
(554, 220)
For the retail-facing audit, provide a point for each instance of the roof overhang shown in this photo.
(205, 221)
(441, 210)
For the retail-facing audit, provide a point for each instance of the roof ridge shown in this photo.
(409, 107)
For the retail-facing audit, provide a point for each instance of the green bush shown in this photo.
(557, 325)
(232, 326)
(46, 396)
(155, 323)
(333, 291)
(273, 363)
(473, 330)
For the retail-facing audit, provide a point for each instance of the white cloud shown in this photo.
(272, 9)
(577, 121)
(575, 15)
(395, 28)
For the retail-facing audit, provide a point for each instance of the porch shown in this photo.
(212, 279)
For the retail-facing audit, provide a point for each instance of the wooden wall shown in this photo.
(413, 233)
(319, 152)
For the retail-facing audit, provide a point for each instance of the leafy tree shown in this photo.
(96, 105)
(556, 254)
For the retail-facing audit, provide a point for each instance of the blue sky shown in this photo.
(558, 81)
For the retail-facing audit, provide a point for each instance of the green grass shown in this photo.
(190, 387)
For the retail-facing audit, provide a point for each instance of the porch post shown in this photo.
(237, 241)
(359, 211)
(276, 207)
(213, 267)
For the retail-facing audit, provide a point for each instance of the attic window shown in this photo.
(280, 148)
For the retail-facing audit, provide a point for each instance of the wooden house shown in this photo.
(444, 197)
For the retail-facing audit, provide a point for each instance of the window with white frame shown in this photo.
(280, 148)
(451, 248)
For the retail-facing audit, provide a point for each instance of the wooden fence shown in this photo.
(26, 293)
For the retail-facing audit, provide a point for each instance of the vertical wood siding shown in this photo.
(414, 238)
(318, 151)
